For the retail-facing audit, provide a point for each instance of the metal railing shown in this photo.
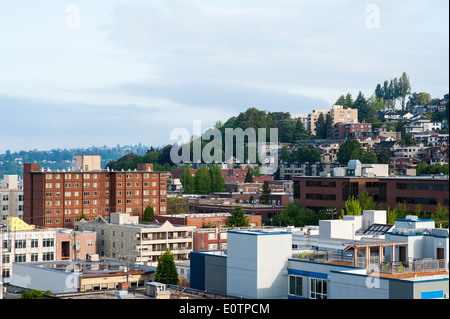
(413, 266)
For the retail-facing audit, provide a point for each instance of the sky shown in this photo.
(91, 73)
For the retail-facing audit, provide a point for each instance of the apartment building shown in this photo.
(58, 198)
(123, 237)
(21, 243)
(11, 198)
(350, 130)
(337, 113)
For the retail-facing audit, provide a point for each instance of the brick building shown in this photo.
(201, 220)
(316, 192)
(59, 198)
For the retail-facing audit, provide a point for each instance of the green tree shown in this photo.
(348, 101)
(217, 180)
(34, 294)
(346, 150)
(369, 157)
(187, 180)
(237, 218)
(300, 132)
(404, 88)
(440, 216)
(265, 196)
(308, 154)
(148, 213)
(367, 202)
(248, 176)
(421, 98)
(285, 156)
(202, 181)
(352, 207)
(176, 205)
(166, 271)
(321, 127)
(365, 111)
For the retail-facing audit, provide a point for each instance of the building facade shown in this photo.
(318, 192)
(11, 198)
(123, 237)
(58, 198)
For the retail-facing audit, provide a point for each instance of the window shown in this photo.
(318, 288)
(296, 286)
(21, 243)
(48, 242)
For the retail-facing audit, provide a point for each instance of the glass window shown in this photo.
(318, 288)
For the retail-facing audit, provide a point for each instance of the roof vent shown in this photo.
(412, 217)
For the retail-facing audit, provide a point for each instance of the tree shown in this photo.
(352, 207)
(217, 180)
(285, 156)
(404, 88)
(308, 154)
(34, 294)
(176, 205)
(300, 132)
(367, 202)
(369, 157)
(322, 125)
(348, 101)
(248, 176)
(440, 216)
(202, 181)
(148, 213)
(365, 112)
(293, 214)
(166, 271)
(265, 196)
(187, 180)
(421, 98)
(238, 218)
(346, 150)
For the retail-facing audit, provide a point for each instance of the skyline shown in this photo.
(125, 72)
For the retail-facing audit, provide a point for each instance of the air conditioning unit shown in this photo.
(92, 257)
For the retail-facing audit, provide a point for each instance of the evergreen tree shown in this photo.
(166, 271)
(321, 127)
(237, 218)
(248, 176)
(265, 196)
(148, 213)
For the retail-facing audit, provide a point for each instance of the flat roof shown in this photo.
(260, 232)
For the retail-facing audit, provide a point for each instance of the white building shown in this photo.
(11, 197)
(255, 261)
(21, 243)
(124, 237)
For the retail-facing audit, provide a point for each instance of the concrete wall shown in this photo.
(257, 263)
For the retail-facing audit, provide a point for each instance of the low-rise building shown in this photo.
(123, 237)
(358, 257)
(69, 276)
